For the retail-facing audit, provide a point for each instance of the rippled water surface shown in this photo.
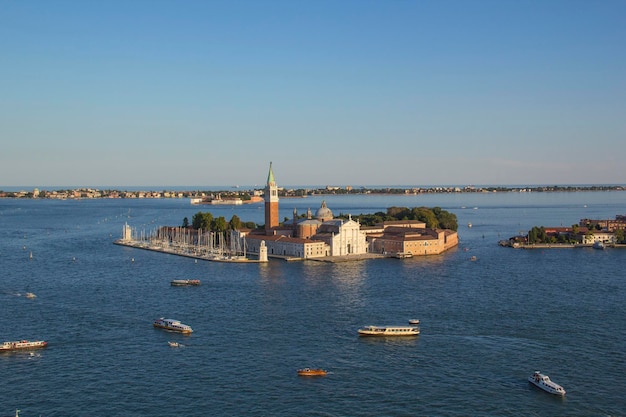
(486, 325)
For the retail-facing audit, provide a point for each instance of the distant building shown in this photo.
(598, 236)
(619, 223)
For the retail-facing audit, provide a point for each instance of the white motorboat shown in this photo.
(389, 331)
(172, 325)
(414, 322)
(543, 381)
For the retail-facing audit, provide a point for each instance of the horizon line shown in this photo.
(309, 186)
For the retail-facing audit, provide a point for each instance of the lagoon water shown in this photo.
(486, 325)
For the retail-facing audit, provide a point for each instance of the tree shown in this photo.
(219, 224)
(537, 235)
(398, 212)
(185, 222)
(234, 223)
(202, 220)
(446, 219)
(427, 216)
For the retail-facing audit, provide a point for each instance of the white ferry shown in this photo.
(543, 381)
(22, 344)
(172, 325)
(389, 331)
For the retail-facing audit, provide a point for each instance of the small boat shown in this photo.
(473, 258)
(184, 282)
(174, 344)
(22, 344)
(30, 295)
(172, 325)
(389, 331)
(312, 372)
(543, 381)
(598, 245)
(414, 322)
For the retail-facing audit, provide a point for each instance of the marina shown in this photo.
(206, 246)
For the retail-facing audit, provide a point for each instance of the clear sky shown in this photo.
(333, 92)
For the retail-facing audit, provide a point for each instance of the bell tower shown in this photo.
(271, 202)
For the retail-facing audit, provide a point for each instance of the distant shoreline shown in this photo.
(93, 193)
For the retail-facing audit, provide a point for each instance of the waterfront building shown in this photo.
(412, 240)
(324, 235)
(305, 237)
(597, 236)
(286, 246)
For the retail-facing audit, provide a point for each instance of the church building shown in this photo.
(309, 237)
(322, 235)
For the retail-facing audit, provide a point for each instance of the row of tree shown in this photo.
(435, 218)
(206, 221)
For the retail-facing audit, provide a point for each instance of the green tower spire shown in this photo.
(270, 176)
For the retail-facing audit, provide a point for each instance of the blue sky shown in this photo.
(163, 92)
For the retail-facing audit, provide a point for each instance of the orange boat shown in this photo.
(311, 372)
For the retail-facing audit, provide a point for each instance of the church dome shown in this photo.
(323, 213)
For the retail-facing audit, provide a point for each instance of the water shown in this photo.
(486, 325)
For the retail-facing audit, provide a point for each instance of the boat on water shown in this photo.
(184, 282)
(312, 372)
(414, 322)
(174, 344)
(30, 295)
(543, 381)
(389, 331)
(172, 325)
(598, 245)
(22, 344)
